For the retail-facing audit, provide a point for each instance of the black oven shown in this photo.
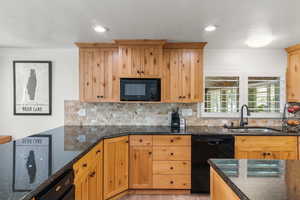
(134, 89)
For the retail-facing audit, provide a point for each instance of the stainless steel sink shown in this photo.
(253, 129)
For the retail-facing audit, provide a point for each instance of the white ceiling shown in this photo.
(60, 23)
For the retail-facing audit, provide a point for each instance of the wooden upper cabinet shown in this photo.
(182, 74)
(99, 74)
(178, 65)
(140, 58)
(293, 74)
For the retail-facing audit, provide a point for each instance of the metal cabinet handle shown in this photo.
(171, 168)
(84, 165)
(171, 140)
(171, 182)
(93, 174)
(172, 154)
(99, 151)
(57, 188)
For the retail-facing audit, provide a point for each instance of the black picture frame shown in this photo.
(14, 162)
(50, 86)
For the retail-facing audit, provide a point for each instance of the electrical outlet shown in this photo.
(186, 112)
(82, 113)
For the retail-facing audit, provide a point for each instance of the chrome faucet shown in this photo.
(242, 122)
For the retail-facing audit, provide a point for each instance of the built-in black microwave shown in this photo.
(136, 89)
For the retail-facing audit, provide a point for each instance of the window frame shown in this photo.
(243, 92)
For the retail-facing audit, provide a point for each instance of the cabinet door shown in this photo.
(152, 62)
(266, 147)
(115, 166)
(183, 75)
(93, 191)
(82, 188)
(131, 61)
(175, 77)
(110, 82)
(86, 70)
(99, 74)
(293, 89)
(140, 167)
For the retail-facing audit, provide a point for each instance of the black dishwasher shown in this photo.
(204, 148)
(61, 189)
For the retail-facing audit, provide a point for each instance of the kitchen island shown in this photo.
(58, 149)
(255, 179)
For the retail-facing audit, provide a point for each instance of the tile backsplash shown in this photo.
(146, 114)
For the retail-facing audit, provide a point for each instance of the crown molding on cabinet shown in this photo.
(293, 48)
(140, 42)
(185, 45)
(96, 45)
(163, 43)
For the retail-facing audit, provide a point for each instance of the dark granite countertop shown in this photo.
(56, 150)
(260, 179)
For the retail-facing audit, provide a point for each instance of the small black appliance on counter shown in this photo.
(175, 120)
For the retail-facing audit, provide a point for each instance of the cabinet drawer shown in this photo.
(172, 140)
(171, 153)
(171, 181)
(140, 140)
(266, 143)
(171, 167)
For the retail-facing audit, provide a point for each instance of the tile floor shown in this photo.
(166, 197)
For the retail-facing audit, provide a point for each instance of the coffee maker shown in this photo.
(175, 120)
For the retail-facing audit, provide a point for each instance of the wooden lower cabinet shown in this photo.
(89, 175)
(140, 167)
(266, 147)
(163, 162)
(219, 190)
(115, 166)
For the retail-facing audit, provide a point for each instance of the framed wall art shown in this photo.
(32, 87)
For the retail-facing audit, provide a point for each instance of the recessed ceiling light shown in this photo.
(210, 28)
(259, 41)
(100, 29)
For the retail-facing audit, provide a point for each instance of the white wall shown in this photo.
(240, 61)
(65, 80)
(65, 87)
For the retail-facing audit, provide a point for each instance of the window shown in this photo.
(264, 94)
(221, 94)
(224, 95)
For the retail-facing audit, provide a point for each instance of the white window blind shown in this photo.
(221, 94)
(264, 94)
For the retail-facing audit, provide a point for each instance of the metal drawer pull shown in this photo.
(171, 182)
(172, 154)
(93, 174)
(171, 168)
(57, 188)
